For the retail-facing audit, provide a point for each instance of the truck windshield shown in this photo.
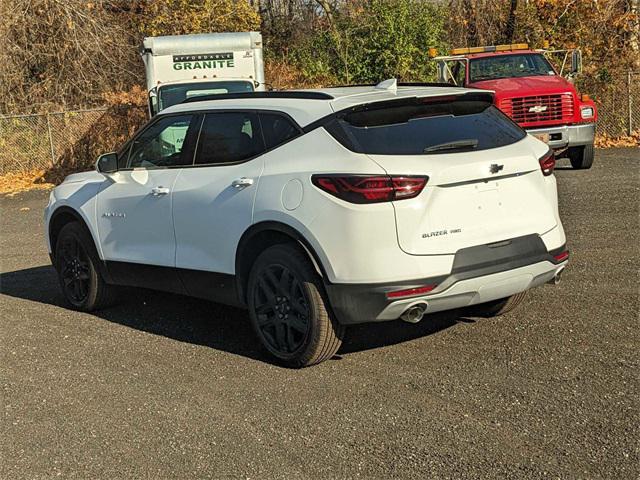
(174, 94)
(508, 66)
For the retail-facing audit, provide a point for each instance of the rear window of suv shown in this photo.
(425, 126)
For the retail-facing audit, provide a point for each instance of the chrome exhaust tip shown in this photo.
(556, 279)
(414, 313)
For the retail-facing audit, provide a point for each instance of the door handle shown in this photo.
(242, 182)
(158, 191)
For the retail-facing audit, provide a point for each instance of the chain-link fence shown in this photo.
(30, 142)
(619, 105)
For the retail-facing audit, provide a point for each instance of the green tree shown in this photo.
(368, 41)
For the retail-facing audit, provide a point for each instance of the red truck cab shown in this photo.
(530, 90)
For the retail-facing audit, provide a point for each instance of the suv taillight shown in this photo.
(547, 163)
(370, 188)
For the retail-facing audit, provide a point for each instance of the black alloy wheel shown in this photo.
(74, 270)
(77, 263)
(282, 310)
(289, 310)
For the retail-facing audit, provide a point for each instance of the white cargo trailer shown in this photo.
(184, 66)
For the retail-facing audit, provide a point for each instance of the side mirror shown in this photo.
(153, 101)
(107, 163)
(576, 62)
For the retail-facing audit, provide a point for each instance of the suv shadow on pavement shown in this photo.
(199, 322)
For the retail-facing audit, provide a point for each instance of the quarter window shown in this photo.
(229, 137)
(277, 129)
(161, 145)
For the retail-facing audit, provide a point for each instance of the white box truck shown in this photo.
(184, 66)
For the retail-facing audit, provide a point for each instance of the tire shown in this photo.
(288, 308)
(499, 307)
(581, 158)
(76, 261)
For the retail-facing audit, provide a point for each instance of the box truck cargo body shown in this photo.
(179, 67)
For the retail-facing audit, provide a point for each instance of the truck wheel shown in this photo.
(76, 261)
(581, 157)
(288, 309)
(499, 307)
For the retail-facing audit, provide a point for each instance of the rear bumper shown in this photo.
(568, 135)
(480, 274)
(477, 290)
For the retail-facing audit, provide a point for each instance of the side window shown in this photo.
(459, 71)
(277, 129)
(161, 144)
(229, 137)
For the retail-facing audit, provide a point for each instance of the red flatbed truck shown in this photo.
(530, 90)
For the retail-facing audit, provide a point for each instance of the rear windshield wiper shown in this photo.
(457, 145)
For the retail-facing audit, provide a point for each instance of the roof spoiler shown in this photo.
(474, 95)
(478, 96)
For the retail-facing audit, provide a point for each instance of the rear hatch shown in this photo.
(464, 204)
(485, 183)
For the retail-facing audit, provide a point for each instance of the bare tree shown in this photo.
(60, 53)
(510, 26)
(634, 36)
(469, 11)
(328, 10)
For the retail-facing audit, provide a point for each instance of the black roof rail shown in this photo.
(278, 94)
(428, 84)
(400, 84)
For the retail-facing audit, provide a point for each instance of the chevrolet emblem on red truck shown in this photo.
(527, 87)
(538, 108)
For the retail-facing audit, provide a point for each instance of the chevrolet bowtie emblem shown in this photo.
(495, 168)
(538, 108)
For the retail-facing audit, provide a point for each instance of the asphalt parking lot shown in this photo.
(164, 386)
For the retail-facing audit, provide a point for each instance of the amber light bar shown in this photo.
(491, 48)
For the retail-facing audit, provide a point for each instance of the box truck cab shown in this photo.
(179, 67)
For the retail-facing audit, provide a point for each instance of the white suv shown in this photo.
(317, 209)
